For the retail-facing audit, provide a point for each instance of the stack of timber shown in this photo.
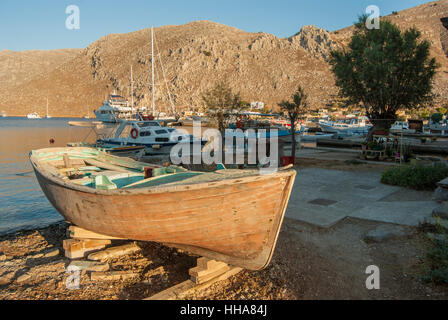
(91, 245)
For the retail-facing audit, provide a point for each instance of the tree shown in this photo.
(442, 110)
(424, 114)
(385, 70)
(436, 117)
(295, 109)
(222, 105)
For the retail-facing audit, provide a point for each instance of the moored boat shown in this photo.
(194, 211)
(33, 115)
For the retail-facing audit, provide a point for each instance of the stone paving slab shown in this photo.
(374, 201)
(409, 213)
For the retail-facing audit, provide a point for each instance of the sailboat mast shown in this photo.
(47, 107)
(152, 66)
(132, 92)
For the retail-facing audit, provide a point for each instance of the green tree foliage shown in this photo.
(295, 109)
(221, 105)
(436, 117)
(384, 70)
(442, 110)
(424, 114)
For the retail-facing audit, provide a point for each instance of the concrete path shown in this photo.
(323, 197)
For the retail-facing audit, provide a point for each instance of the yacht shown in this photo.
(156, 138)
(3, 114)
(114, 108)
(33, 115)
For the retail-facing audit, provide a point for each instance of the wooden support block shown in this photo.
(75, 248)
(181, 290)
(80, 233)
(114, 252)
(207, 269)
(90, 265)
(113, 275)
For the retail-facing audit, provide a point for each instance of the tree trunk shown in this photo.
(293, 132)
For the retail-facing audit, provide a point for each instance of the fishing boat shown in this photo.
(33, 115)
(190, 210)
(354, 126)
(308, 137)
(156, 138)
(189, 121)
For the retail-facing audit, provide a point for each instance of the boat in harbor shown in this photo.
(114, 109)
(33, 115)
(156, 138)
(401, 127)
(347, 127)
(191, 210)
(133, 152)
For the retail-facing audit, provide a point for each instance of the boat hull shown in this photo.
(202, 218)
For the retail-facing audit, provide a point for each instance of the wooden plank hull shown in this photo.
(235, 220)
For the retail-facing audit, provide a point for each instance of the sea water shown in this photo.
(23, 205)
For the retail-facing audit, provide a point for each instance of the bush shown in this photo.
(416, 177)
(437, 258)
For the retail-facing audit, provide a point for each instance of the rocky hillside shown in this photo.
(19, 67)
(195, 56)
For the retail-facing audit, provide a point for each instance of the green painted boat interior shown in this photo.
(108, 172)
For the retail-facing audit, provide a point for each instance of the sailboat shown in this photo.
(48, 116)
(157, 115)
(3, 114)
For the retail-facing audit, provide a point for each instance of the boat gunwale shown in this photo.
(37, 165)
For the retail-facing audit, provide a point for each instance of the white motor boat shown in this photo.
(401, 127)
(33, 115)
(114, 109)
(155, 138)
(354, 126)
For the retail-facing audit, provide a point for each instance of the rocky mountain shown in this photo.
(193, 57)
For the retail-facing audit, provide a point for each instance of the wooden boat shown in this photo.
(228, 215)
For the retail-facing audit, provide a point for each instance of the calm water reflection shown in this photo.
(22, 203)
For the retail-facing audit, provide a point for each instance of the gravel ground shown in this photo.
(309, 263)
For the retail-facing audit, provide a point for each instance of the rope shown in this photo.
(164, 77)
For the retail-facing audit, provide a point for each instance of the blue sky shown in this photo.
(40, 24)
